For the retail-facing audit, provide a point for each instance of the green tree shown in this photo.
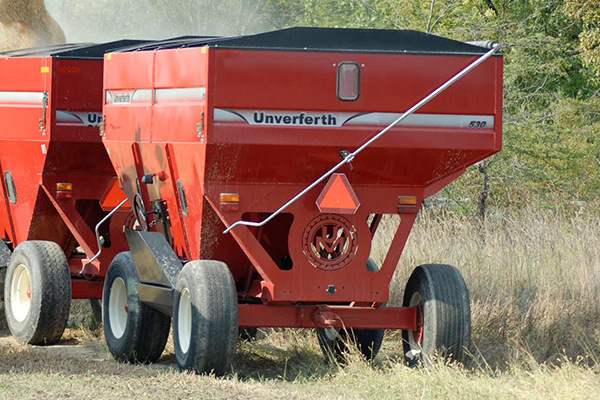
(588, 13)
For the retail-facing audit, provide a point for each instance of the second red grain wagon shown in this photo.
(57, 187)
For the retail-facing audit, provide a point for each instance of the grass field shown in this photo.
(535, 289)
(272, 368)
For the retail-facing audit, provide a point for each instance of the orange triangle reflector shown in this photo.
(338, 196)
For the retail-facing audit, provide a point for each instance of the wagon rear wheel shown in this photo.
(134, 331)
(37, 293)
(335, 342)
(248, 334)
(205, 321)
(440, 293)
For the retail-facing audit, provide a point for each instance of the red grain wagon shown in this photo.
(213, 131)
(57, 185)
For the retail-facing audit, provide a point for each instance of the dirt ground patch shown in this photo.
(70, 346)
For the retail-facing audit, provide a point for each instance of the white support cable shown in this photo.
(348, 159)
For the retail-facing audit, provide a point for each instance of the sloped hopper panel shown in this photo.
(158, 268)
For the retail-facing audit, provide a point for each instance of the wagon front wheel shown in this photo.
(444, 313)
(205, 317)
(334, 342)
(134, 331)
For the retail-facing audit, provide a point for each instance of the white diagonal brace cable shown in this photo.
(350, 157)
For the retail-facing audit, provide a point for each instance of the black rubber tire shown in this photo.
(446, 314)
(248, 334)
(336, 349)
(368, 341)
(50, 279)
(146, 329)
(214, 318)
(96, 306)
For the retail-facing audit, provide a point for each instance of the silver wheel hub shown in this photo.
(118, 308)
(184, 321)
(331, 333)
(415, 347)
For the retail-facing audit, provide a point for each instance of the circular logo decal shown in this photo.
(330, 242)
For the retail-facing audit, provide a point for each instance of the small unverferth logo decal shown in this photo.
(78, 118)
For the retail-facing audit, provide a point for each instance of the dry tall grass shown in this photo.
(534, 280)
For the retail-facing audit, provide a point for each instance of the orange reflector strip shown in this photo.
(44, 70)
(407, 200)
(338, 196)
(64, 186)
(229, 201)
(229, 197)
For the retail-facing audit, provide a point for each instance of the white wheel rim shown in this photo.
(20, 293)
(415, 301)
(118, 308)
(331, 333)
(184, 321)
